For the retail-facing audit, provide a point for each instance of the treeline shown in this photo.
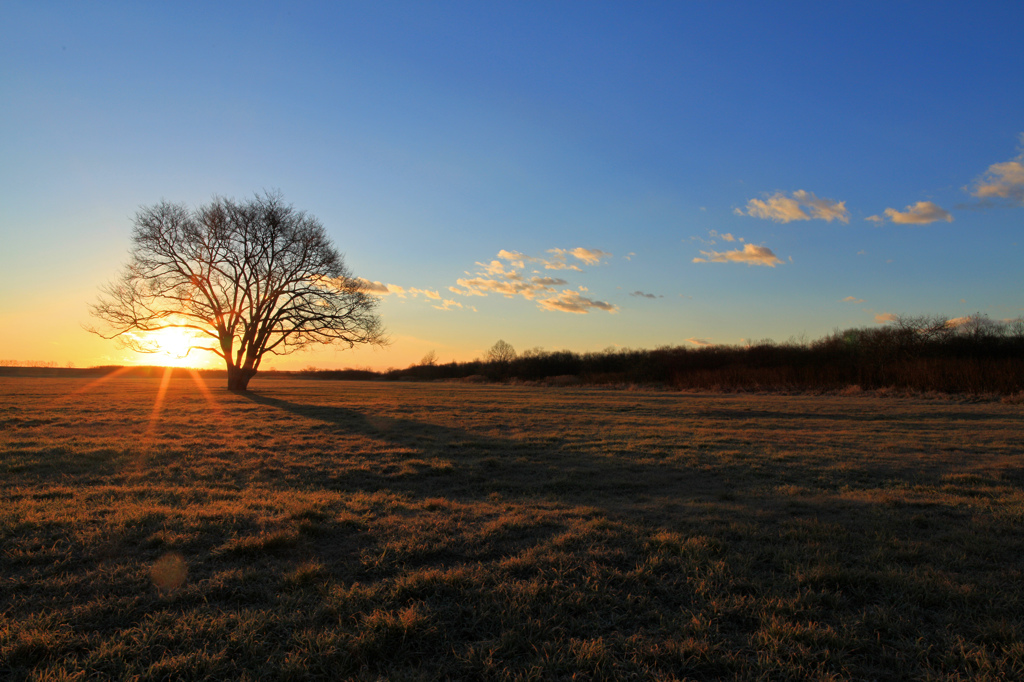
(48, 364)
(963, 355)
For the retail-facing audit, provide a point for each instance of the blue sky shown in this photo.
(629, 174)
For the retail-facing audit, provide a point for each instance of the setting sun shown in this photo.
(177, 348)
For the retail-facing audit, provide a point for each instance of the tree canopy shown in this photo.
(502, 352)
(247, 278)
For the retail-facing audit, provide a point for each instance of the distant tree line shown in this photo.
(964, 355)
(31, 363)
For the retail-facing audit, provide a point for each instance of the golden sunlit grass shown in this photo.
(160, 529)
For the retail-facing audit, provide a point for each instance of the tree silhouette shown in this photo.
(247, 278)
(501, 352)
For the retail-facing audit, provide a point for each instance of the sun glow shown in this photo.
(175, 347)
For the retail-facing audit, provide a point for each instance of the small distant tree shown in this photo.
(247, 278)
(501, 352)
(429, 360)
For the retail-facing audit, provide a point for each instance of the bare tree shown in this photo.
(247, 278)
(501, 352)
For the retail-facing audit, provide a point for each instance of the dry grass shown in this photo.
(425, 531)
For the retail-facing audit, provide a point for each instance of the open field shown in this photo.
(422, 531)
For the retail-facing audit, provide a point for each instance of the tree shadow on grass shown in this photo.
(460, 464)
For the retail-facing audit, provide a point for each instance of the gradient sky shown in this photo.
(565, 175)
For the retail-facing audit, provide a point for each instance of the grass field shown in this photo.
(165, 530)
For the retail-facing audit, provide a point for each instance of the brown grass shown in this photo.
(424, 531)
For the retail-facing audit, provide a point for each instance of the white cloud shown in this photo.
(495, 267)
(921, 213)
(823, 209)
(801, 205)
(496, 278)
(448, 304)
(528, 289)
(751, 254)
(514, 258)
(1002, 180)
(428, 294)
(569, 301)
(714, 234)
(590, 256)
(587, 256)
(557, 261)
(376, 288)
(779, 208)
(548, 281)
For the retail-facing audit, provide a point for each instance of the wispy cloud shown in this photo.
(514, 258)
(379, 288)
(558, 260)
(714, 236)
(1002, 180)
(510, 288)
(921, 213)
(570, 301)
(448, 304)
(428, 294)
(499, 277)
(641, 294)
(800, 205)
(882, 318)
(853, 299)
(699, 342)
(751, 254)
(590, 256)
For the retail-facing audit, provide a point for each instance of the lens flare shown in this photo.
(169, 572)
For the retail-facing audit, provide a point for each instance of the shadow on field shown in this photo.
(460, 464)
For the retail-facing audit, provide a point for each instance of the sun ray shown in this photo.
(224, 426)
(95, 383)
(157, 405)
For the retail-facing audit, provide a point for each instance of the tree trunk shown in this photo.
(238, 378)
